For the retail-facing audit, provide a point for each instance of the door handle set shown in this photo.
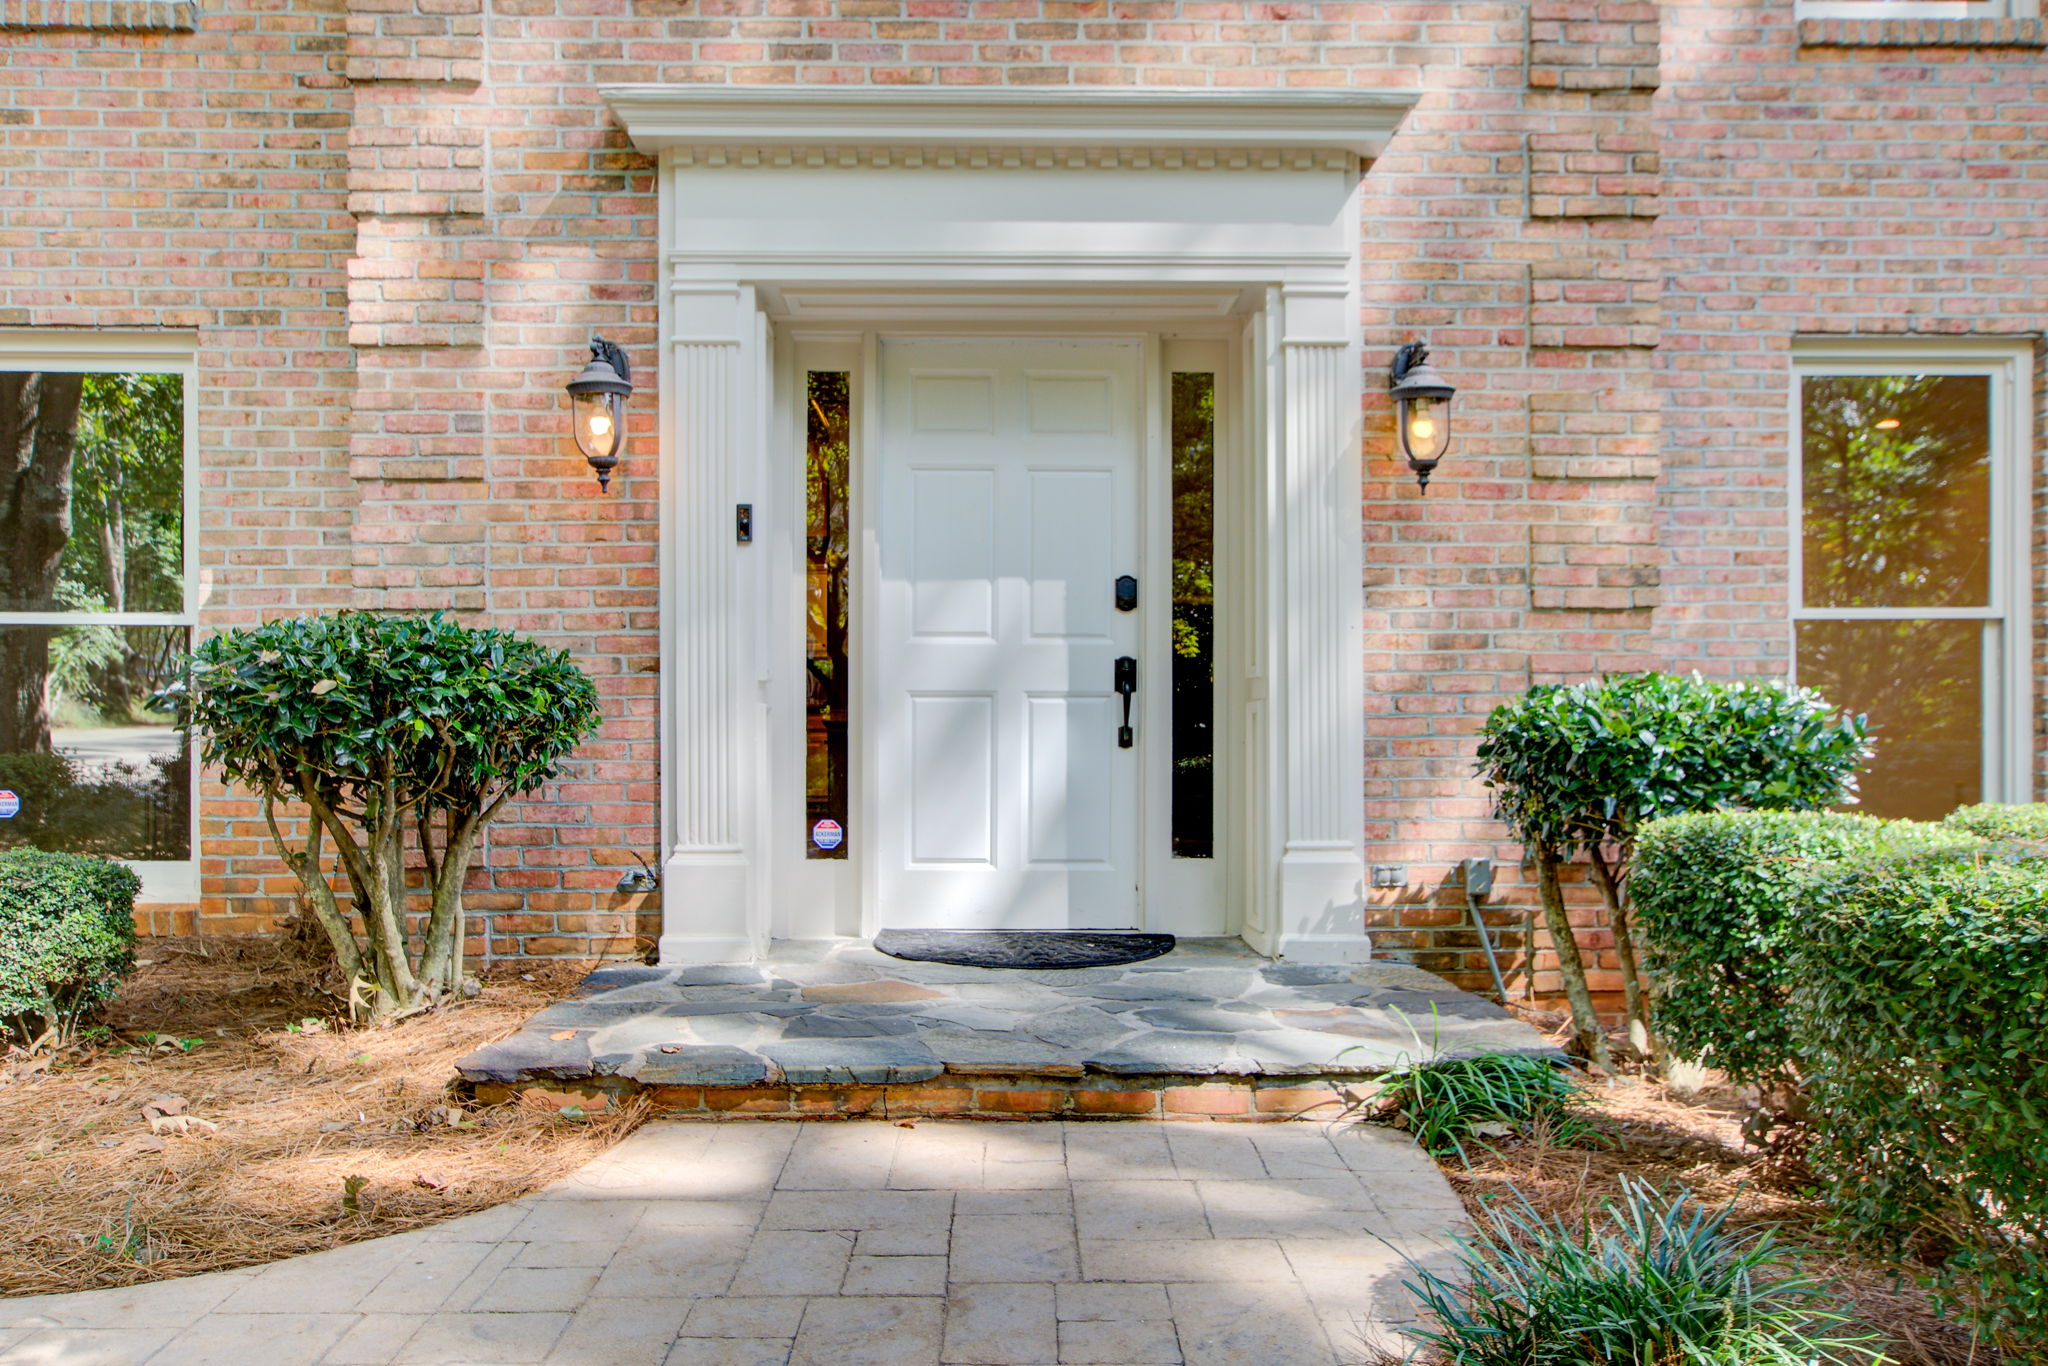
(1126, 677)
(1127, 684)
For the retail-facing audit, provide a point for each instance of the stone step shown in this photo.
(835, 1027)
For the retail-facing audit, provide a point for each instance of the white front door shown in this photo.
(1008, 508)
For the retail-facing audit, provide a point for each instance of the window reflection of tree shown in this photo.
(1896, 489)
(1194, 614)
(1897, 515)
(92, 512)
(1921, 683)
(828, 472)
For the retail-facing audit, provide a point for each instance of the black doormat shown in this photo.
(1023, 948)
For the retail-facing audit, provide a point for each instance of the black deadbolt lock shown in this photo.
(1127, 593)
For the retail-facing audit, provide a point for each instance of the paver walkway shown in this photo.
(837, 1011)
(840, 1244)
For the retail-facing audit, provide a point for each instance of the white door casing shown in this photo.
(1008, 506)
(1234, 212)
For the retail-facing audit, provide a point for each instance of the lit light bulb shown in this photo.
(600, 424)
(1422, 429)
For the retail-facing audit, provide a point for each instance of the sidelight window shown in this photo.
(1194, 614)
(828, 593)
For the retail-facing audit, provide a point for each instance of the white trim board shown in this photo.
(663, 117)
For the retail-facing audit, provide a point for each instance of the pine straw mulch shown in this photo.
(1695, 1141)
(272, 1136)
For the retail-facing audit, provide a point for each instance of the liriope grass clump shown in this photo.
(1657, 1280)
(1447, 1102)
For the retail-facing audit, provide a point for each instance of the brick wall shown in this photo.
(195, 180)
(395, 224)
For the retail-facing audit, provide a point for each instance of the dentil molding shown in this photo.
(1034, 124)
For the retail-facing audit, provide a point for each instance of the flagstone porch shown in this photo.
(825, 1027)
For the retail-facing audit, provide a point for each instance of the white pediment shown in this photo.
(1112, 125)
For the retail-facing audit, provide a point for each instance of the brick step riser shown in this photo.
(991, 1098)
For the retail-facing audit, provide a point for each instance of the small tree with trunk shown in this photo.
(1580, 768)
(402, 737)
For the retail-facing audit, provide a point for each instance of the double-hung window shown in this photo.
(97, 600)
(1911, 494)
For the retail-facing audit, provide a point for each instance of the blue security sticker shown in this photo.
(826, 834)
(10, 805)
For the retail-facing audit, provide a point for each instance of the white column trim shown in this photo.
(1314, 552)
(712, 406)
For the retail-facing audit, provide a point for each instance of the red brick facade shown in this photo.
(395, 223)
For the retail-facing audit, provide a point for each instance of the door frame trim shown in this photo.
(815, 898)
(740, 240)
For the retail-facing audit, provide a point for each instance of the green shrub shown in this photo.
(1997, 821)
(1660, 1282)
(1580, 768)
(67, 939)
(1721, 903)
(1445, 1101)
(1922, 1005)
(404, 736)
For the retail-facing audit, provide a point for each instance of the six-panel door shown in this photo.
(1008, 507)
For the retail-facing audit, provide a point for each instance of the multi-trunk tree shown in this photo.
(401, 737)
(1578, 769)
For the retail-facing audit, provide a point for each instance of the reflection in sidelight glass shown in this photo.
(828, 459)
(92, 512)
(1922, 684)
(1194, 615)
(1895, 476)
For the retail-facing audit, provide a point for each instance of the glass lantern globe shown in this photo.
(1422, 410)
(597, 399)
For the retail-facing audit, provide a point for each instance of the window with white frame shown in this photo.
(1911, 491)
(1919, 9)
(97, 600)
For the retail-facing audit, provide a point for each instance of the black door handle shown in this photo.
(1127, 684)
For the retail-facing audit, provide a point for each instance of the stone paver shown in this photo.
(832, 1244)
(839, 1012)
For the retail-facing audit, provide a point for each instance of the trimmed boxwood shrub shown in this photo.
(1996, 821)
(67, 939)
(1720, 902)
(1921, 999)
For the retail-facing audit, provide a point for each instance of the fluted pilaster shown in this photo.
(1318, 672)
(710, 405)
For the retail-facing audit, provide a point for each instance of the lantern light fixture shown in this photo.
(597, 399)
(1422, 409)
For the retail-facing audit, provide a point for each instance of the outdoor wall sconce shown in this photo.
(1422, 409)
(597, 399)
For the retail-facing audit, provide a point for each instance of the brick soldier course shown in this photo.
(394, 225)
